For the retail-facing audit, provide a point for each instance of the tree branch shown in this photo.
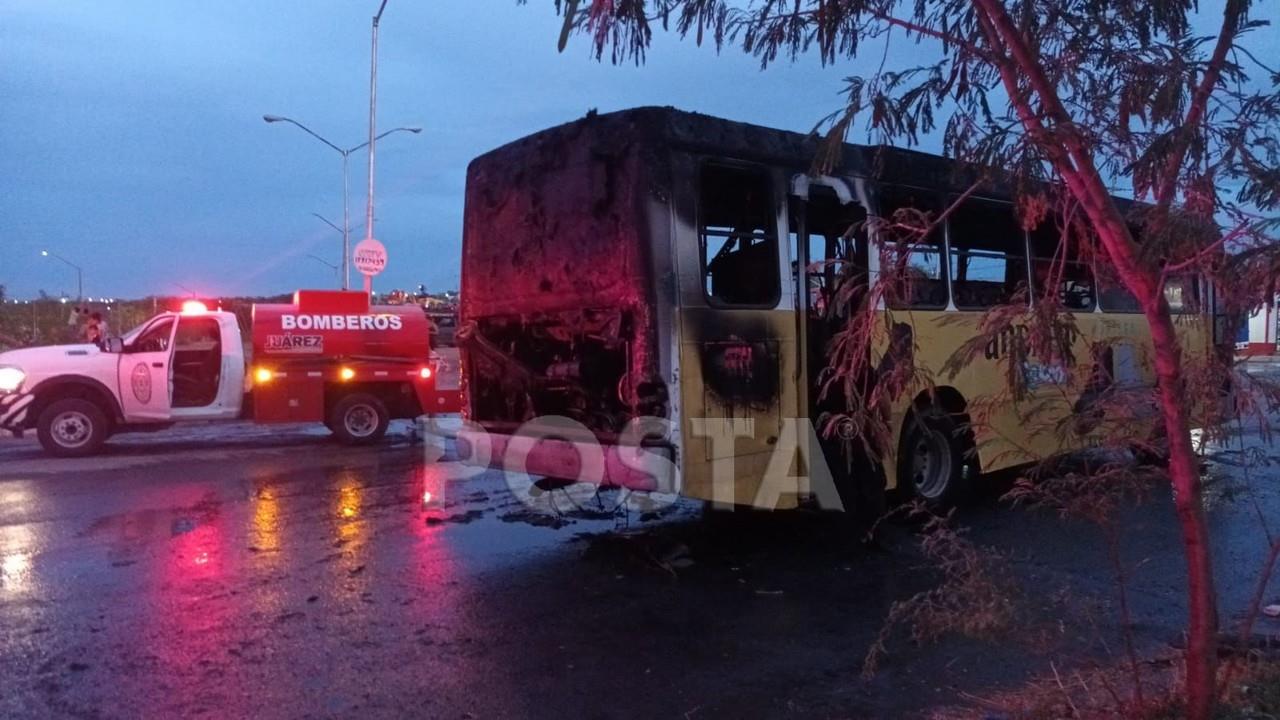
(1199, 104)
(1200, 255)
(1079, 171)
(936, 34)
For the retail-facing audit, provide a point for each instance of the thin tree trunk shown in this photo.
(1202, 621)
(1070, 156)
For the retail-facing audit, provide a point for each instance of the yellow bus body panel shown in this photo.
(1013, 431)
(704, 330)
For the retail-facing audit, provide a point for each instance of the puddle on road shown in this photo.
(17, 552)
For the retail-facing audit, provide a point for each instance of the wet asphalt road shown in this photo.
(236, 571)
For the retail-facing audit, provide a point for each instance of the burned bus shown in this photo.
(645, 304)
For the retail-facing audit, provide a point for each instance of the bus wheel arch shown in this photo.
(937, 459)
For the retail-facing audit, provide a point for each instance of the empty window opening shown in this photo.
(1058, 268)
(911, 249)
(1182, 292)
(988, 255)
(837, 246)
(1113, 296)
(737, 235)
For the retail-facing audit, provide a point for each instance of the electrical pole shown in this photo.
(373, 112)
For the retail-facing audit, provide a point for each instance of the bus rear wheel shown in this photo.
(934, 459)
(359, 419)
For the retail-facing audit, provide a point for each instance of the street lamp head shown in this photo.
(273, 118)
(414, 130)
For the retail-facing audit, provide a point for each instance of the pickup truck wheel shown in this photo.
(359, 419)
(72, 427)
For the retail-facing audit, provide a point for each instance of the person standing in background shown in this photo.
(76, 323)
(103, 331)
(92, 329)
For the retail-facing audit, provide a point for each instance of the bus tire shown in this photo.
(72, 427)
(359, 419)
(934, 459)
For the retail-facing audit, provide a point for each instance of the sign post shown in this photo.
(370, 258)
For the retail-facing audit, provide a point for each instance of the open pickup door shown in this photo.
(143, 372)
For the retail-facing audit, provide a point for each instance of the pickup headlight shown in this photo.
(11, 378)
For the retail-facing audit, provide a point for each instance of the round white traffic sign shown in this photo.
(369, 257)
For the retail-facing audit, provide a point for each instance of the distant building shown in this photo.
(1257, 336)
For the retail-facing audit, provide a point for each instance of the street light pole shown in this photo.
(79, 272)
(346, 239)
(346, 194)
(373, 108)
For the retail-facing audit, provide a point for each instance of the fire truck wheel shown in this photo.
(934, 462)
(72, 427)
(359, 418)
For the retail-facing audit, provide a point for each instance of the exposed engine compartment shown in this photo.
(578, 364)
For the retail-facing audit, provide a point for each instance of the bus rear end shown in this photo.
(557, 330)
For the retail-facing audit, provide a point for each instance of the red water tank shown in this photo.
(338, 323)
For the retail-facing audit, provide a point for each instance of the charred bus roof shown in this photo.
(664, 128)
(667, 128)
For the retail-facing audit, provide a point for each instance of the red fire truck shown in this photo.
(328, 357)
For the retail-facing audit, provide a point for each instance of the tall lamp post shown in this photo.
(79, 272)
(373, 107)
(346, 193)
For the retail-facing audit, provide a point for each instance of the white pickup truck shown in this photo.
(329, 357)
(172, 367)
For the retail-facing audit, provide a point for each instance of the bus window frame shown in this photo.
(1035, 289)
(1136, 231)
(1202, 299)
(1026, 253)
(699, 228)
(942, 248)
(844, 190)
(1197, 294)
(1102, 304)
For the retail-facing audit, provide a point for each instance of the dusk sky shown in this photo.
(135, 147)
